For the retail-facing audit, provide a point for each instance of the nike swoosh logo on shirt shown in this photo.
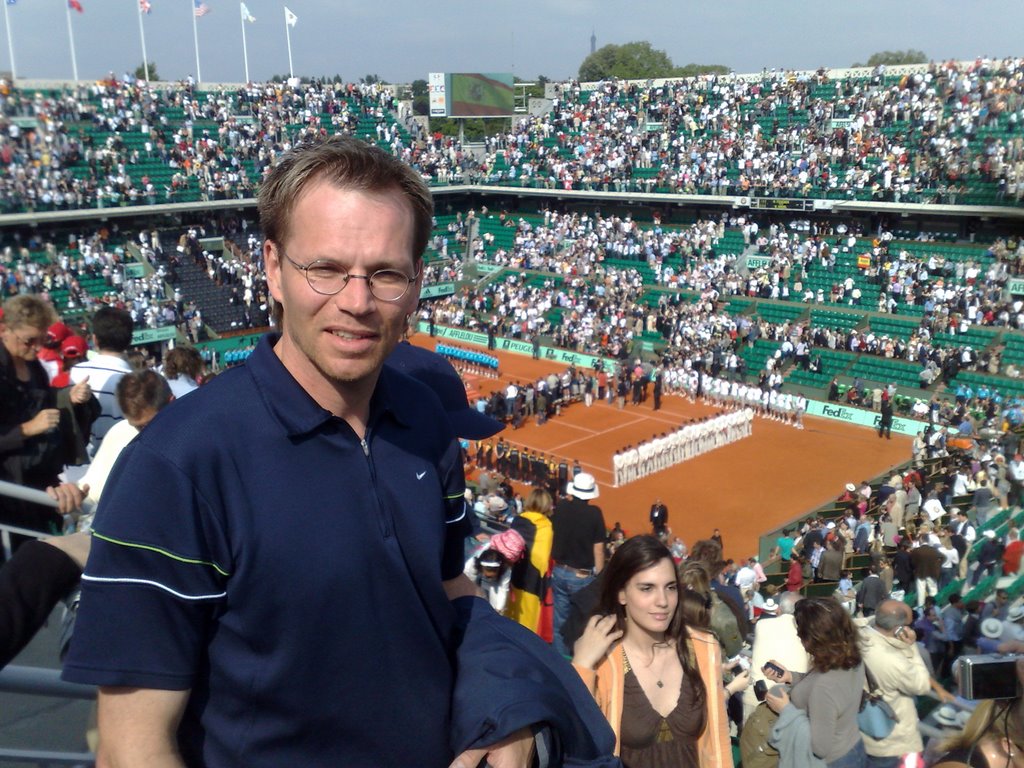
(420, 475)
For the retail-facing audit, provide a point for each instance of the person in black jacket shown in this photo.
(903, 567)
(885, 422)
(871, 592)
(989, 557)
(41, 428)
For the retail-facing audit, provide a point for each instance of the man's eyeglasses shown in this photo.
(327, 278)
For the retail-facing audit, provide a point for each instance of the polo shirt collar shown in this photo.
(296, 410)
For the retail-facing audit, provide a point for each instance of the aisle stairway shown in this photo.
(211, 299)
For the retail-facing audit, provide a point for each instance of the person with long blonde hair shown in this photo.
(530, 574)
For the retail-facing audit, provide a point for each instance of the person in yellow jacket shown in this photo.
(530, 574)
(657, 681)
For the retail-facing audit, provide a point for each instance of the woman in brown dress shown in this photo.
(657, 681)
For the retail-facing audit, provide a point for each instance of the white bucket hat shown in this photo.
(583, 486)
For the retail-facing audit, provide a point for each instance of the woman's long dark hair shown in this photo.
(634, 555)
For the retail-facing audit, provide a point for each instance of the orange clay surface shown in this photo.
(744, 489)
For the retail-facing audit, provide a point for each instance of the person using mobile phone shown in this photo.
(830, 692)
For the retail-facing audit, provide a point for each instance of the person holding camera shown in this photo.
(889, 648)
(994, 735)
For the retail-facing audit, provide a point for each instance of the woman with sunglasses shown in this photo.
(658, 681)
(41, 428)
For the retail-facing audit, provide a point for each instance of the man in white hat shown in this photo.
(577, 548)
(1012, 629)
(991, 632)
(775, 639)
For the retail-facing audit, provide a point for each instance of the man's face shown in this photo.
(335, 345)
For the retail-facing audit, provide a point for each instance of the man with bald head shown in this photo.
(889, 648)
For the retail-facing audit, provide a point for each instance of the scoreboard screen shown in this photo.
(781, 204)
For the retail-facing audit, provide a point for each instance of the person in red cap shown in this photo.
(50, 354)
(72, 350)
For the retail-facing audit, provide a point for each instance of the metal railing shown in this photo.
(38, 681)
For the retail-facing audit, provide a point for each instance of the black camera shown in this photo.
(989, 676)
(760, 689)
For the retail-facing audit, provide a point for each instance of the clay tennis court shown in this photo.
(744, 489)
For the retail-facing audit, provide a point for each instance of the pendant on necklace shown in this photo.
(661, 684)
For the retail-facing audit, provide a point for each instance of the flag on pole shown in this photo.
(246, 16)
(145, 7)
(290, 18)
(76, 6)
(201, 8)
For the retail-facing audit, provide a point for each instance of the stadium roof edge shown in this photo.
(892, 69)
(737, 202)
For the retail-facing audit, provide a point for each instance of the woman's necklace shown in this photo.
(649, 666)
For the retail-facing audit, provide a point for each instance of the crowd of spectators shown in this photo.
(909, 138)
(929, 136)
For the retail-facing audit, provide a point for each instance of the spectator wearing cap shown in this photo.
(849, 494)
(577, 548)
(50, 355)
(769, 609)
(72, 352)
(991, 635)
(776, 638)
(1013, 631)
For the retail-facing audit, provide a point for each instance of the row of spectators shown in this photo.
(931, 136)
(83, 151)
(923, 137)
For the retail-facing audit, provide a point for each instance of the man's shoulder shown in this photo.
(228, 402)
(104, 362)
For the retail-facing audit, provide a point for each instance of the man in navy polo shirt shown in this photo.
(274, 559)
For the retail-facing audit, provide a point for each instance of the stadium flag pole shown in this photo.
(289, 22)
(245, 51)
(71, 41)
(142, 37)
(195, 39)
(10, 42)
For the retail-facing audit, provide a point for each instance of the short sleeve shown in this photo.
(456, 511)
(157, 575)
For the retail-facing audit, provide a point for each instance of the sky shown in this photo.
(403, 40)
